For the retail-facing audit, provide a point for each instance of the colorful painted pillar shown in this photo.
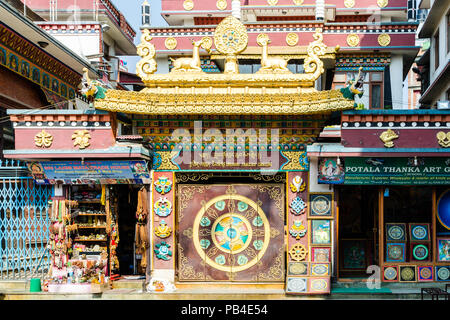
(162, 229)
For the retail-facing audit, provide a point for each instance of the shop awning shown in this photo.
(90, 172)
(335, 150)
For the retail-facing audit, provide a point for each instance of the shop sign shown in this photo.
(90, 172)
(397, 171)
(331, 171)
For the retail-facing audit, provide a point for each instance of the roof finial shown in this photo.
(236, 9)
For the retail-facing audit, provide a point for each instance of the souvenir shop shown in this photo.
(392, 195)
(98, 184)
(98, 222)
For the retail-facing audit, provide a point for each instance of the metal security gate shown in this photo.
(24, 222)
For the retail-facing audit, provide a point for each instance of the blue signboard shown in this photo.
(90, 172)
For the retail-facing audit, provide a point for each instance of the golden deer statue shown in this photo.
(271, 64)
(189, 64)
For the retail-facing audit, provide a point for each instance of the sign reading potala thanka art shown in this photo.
(397, 171)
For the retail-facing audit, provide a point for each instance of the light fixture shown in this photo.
(415, 161)
(338, 161)
(43, 44)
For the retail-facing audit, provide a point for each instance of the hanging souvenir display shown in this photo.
(297, 230)
(163, 185)
(162, 207)
(320, 254)
(298, 206)
(141, 235)
(320, 232)
(443, 210)
(297, 184)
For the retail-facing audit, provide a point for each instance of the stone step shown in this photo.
(128, 284)
(14, 285)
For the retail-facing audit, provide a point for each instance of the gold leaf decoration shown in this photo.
(146, 50)
(43, 139)
(221, 4)
(81, 138)
(298, 2)
(262, 39)
(230, 36)
(171, 43)
(352, 40)
(188, 5)
(272, 2)
(292, 39)
(443, 139)
(382, 3)
(349, 3)
(387, 137)
(384, 39)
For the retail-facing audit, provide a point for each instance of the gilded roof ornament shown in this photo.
(221, 4)
(230, 36)
(387, 137)
(384, 39)
(192, 64)
(270, 65)
(188, 90)
(146, 50)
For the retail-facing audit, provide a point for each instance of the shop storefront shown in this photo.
(391, 176)
(97, 216)
(231, 195)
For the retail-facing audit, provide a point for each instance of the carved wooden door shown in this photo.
(231, 232)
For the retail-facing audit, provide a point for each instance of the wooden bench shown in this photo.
(436, 292)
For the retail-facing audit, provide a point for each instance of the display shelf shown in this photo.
(92, 214)
(76, 239)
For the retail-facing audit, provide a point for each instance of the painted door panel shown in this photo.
(231, 232)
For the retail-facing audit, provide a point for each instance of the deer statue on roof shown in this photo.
(271, 64)
(189, 64)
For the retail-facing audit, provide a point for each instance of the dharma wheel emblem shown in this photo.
(230, 36)
(298, 252)
(231, 231)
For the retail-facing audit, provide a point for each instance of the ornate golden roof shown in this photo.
(188, 90)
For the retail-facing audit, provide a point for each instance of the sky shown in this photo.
(131, 9)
